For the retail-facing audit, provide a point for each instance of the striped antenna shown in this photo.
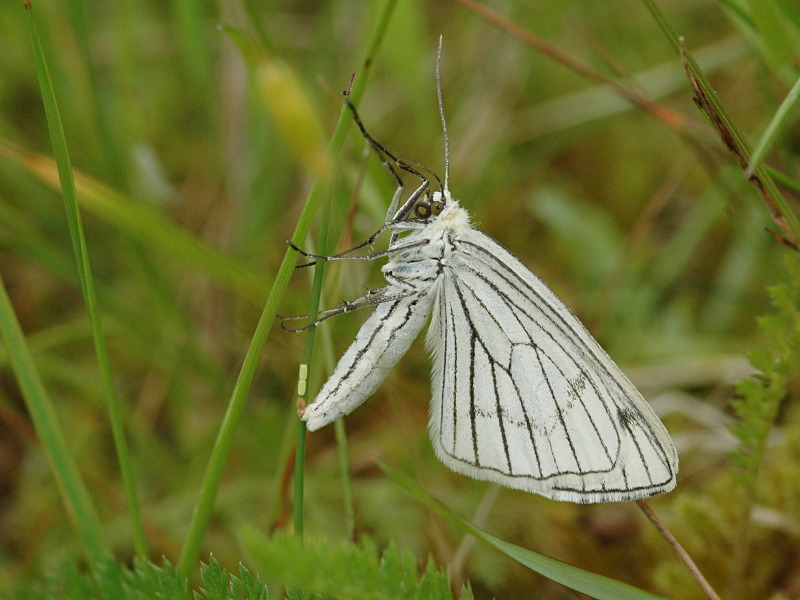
(441, 113)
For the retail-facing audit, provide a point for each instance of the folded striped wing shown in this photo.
(524, 396)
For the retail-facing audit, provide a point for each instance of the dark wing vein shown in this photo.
(522, 310)
(545, 305)
(558, 409)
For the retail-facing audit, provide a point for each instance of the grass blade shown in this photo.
(771, 27)
(145, 223)
(586, 582)
(774, 128)
(74, 494)
(729, 133)
(87, 283)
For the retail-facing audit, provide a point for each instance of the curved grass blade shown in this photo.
(74, 493)
(144, 223)
(586, 582)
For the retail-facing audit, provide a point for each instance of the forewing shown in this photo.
(382, 340)
(524, 396)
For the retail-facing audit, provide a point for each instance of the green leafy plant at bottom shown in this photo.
(310, 570)
(356, 571)
(110, 580)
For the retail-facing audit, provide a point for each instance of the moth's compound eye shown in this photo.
(437, 207)
(422, 210)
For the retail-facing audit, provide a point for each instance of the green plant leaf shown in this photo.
(586, 582)
(775, 127)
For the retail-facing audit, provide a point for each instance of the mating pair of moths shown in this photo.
(523, 395)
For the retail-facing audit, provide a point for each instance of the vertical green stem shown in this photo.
(308, 357)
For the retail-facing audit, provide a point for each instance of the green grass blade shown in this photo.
(308, 356)
(87, 283)
(113, 160)
(731, 136)
(771, 27)
(222, 445)
(782, 178)
(144, 223)
(74, 494)
(191, 26)
(586, 582)
(774, 128)
(326, 242)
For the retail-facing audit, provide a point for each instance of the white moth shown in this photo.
(523, 395)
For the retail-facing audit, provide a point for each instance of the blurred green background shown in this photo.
(190, 187)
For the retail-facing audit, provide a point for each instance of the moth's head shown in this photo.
(431, 205)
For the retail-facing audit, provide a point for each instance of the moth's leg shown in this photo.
(401, 163)
(408, 205)
(395, 215)
(371, 298)
(393, 205)
(372, 256)
(400, 282)
(343, 255)
(399, 218)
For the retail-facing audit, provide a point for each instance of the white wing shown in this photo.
(382, 340)
(524, 396)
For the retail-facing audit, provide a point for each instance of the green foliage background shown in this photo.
(194, 152)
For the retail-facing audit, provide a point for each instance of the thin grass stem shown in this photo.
(61, 154)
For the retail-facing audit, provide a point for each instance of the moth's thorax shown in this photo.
(453, 218)
(428, 247)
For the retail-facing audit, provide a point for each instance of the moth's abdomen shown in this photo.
(381, 342)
